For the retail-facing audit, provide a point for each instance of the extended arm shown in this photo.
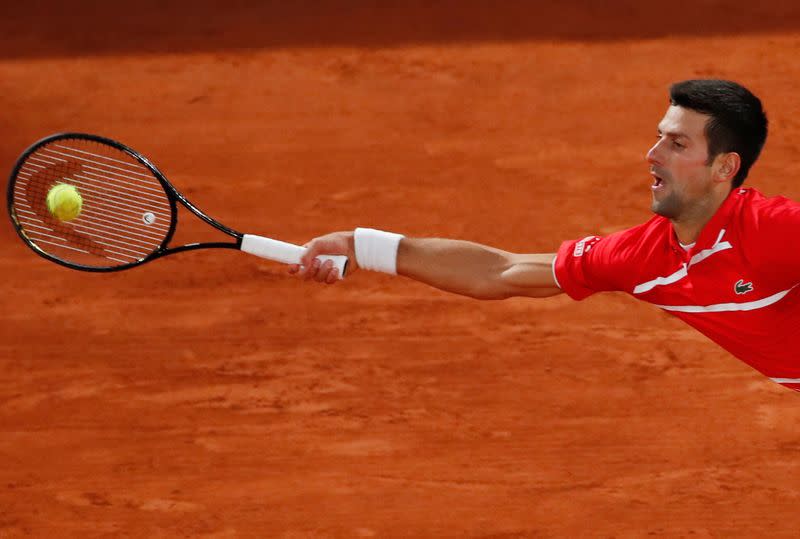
(461, 267)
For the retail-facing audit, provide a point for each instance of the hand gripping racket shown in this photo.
(129, 210)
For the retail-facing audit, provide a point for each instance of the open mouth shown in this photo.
(658, 181)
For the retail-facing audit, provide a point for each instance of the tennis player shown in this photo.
(723, 258)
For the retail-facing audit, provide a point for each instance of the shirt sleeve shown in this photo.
(592, 264)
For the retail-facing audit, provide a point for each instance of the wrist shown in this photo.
(376, 250)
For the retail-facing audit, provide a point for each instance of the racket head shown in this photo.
(129, 210)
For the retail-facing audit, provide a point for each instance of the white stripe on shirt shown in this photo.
(659, 281)
(718, 246)
(727, 307)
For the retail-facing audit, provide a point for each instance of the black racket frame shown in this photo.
(173, 195)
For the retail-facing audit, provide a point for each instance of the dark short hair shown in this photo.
(738, 122)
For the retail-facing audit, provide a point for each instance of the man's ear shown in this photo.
(727, 166)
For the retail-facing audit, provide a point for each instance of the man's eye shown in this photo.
(677, 144)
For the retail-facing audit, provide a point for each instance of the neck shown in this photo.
(691, 222)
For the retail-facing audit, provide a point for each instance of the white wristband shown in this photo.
(377, 250)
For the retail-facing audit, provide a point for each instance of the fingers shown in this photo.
(333, 275)
(310, 271)
(312, 249)
(316, 247)
(316, 271)
(322, 272)
(311, 268)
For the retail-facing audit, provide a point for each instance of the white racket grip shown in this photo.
(287, 253)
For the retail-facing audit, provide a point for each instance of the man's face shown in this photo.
(678, 163)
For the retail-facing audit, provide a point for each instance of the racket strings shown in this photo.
(125, 215)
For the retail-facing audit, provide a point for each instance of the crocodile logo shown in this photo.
(742, 287)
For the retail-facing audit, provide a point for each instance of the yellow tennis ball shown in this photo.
(64, 202)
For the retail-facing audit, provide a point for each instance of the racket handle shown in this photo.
(287, 253)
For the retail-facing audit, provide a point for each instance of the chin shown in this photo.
(659, 208)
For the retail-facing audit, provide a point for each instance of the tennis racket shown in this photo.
(129, 210)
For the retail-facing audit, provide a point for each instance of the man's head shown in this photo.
(709, 138)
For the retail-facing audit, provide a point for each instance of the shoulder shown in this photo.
(646, 237)
(623, 247)
(763, 211)
(597, 264)
(769, 228)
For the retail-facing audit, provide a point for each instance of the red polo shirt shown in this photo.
(738, 284)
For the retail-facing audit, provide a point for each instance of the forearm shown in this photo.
(475, 270)
(456, 266)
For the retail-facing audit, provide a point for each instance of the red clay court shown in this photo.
(210, 395)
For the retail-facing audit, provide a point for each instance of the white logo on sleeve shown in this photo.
(585, 245)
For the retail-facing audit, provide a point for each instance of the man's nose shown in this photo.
(653, 155)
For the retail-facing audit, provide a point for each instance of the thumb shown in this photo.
(316, 247)
(312, 250)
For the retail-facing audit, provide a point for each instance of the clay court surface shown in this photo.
(211, 395)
